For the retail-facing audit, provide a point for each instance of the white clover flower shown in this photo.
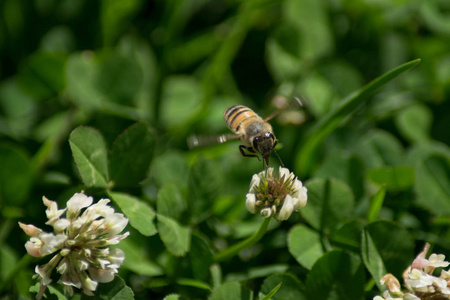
(80, 243)
(438, 260)
(277, 196)
(419, 279)
(409, 296)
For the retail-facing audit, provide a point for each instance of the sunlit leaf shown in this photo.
(172, 297)
(175, 237)
(171, 203)
(376, 201)
(372, 259)
(137, 260)
(50, 291)
(90, 155)
(140, 215)
(305, 245)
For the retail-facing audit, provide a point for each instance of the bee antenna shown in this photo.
(279, 158)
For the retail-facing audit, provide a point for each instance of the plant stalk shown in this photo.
(253, 239)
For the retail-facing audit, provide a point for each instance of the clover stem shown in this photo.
(250, 241)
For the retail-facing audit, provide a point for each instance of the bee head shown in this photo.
(264, 144)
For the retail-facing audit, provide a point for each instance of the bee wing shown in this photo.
(290, 110)
(196, 141)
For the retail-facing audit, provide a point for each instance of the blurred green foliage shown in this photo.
(140, 77)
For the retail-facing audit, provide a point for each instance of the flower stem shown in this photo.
(233, 250)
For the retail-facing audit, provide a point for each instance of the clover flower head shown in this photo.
(276, 195)
(419, 279)
(80, 244)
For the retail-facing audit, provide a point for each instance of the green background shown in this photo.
(140, 77)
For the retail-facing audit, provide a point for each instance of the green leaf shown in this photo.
(115, 18)
(90, 155)
(194, 283)
(119, 77)
(137, 259)
(131, 155)
(141, 215)
(310, 19)
(170, 166)
(18, 109)
(170, 202)
(348, 168)
(394, 179)
(290, 287)
(201, 258)
(114, 290)
(229, 291)
(172, 297)
(433, 183)
(348, 236)
(379, 148)
(304, 245)
(81, 72)
(376, 202)
(175, 237)
(258, 272)
(272, 292)
(414, 122)
(387, 243)
(9, 260)
(307, 157)
(336, 275)
(42, 75)
(315, 86)
(372, 259)
(434, 17)
(16, 176)
(432, 168)
(204, 187)
(50, 290)
(181, 99)
(329, 203)
(283, 53)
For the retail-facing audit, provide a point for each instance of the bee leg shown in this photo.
(242, 147)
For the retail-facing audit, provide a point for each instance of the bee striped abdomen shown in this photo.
(238, 115)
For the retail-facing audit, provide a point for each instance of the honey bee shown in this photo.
(254, 132)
